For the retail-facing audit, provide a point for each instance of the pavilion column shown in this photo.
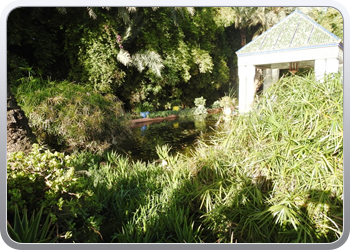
(326, 66)
(267, 78)
(246, 74)
(270, 76)
(275, 75)
(320, 68)
(332, 65)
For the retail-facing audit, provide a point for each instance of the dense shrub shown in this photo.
(46, 179)
(70, 114)
(280, 167)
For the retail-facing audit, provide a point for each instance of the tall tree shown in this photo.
(266, 17)
(329, 18)
(244, 18)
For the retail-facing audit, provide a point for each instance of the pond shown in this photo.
(180, 134)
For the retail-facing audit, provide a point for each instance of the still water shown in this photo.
(180, 134)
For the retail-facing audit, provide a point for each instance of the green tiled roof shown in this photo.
(295, 31)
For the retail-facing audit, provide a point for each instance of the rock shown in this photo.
(19, 134)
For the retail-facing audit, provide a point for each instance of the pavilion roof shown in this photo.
(293, 32)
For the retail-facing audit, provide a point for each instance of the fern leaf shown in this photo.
(124, 57)
(151, 59)
(138, 62)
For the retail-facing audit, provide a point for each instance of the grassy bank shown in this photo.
(71, 116)
(273, 175)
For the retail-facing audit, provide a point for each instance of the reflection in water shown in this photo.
(180, 134)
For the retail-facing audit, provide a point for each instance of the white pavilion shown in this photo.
(295, 42)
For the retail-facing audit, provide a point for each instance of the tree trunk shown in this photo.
(258, 81)
(19, 135)
(243, 37)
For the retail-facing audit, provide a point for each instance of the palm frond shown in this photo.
(191, 10)
(138, 62)
(124, 14)
(91, 12)
(155, 62)
(150, 59)
(124, 57)
(131, 9)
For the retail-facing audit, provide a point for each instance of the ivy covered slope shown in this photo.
(273, 175)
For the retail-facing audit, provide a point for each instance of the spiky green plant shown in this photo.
(227, 101)
(286, 160)
(32, 230)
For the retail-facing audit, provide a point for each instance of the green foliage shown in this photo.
(274, 175)
(186, 112)
(216, 104)
(227, 101)
(69, 114)
(35, 38)
(225, 16)
(286, 163)
(203, 60)
(15, 66)
(162, 53)
(200, 101)
(331, 19)
(150, 59)
(47, 179)
(157, 53)
(192, 60)
(143, 107)
(176, 102)
(163, 113)
(179, 60)
(99, 55)
(31, 231)
(200, 106)
(27, 175)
